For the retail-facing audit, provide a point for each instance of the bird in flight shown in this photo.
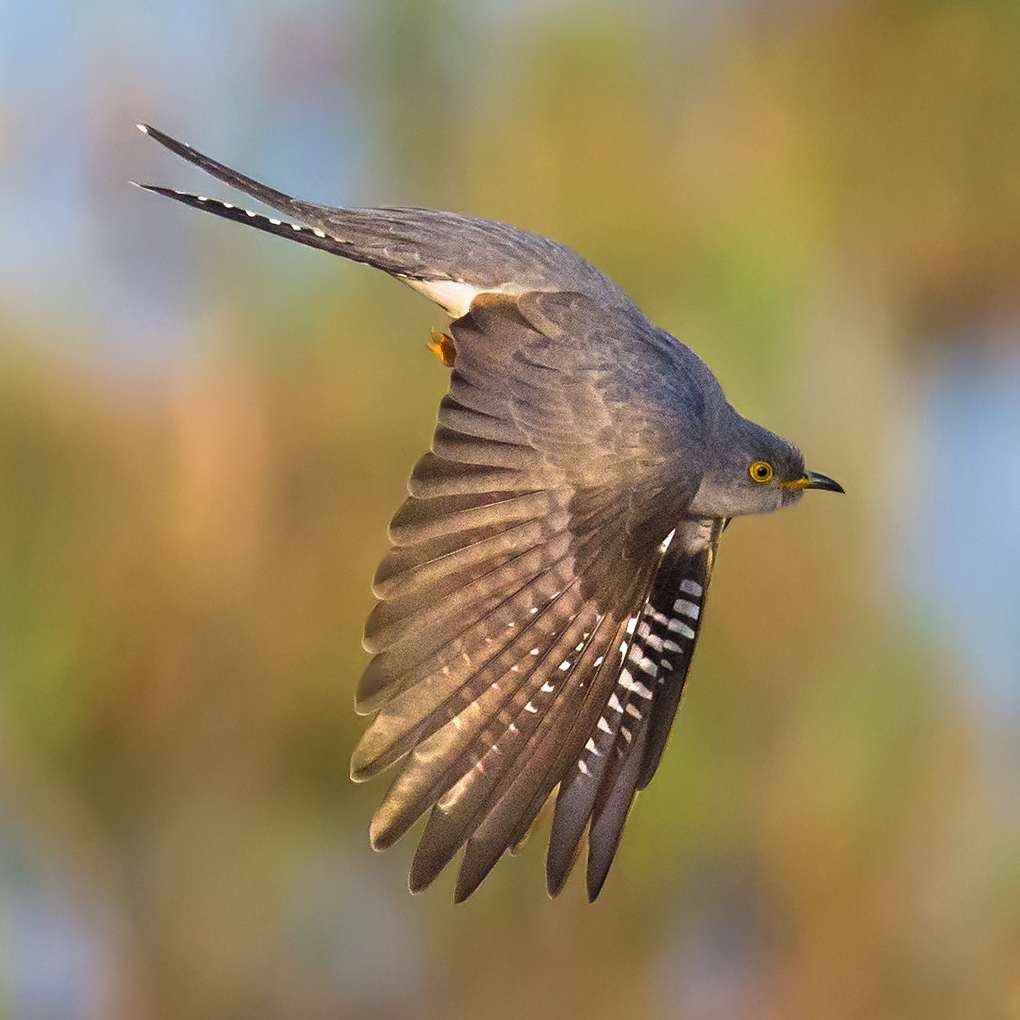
(546, 584)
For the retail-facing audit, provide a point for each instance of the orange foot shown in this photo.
(442, 347)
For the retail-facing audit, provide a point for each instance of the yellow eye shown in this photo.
(761, 471)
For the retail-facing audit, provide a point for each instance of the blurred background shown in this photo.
(203, 432)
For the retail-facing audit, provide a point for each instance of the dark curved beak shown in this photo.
(813, 480)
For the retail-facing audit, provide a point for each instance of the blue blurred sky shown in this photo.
(960, 567)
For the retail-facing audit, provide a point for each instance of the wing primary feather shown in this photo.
(478, 614)
(424, 704)
(432, 476)
(609, 817)
(586, 777)
(514, 809)
(419, 520)
(457, 813)
(458, 602)
(481, 736)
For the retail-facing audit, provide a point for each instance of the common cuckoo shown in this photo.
(546, 584)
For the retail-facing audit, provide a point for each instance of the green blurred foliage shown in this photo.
(804, 193)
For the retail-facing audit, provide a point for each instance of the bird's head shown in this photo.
(752, 471)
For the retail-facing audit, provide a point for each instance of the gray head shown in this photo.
(750, 470)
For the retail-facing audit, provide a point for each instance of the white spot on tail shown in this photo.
(681, 628)
(692, 588)
(687, 608)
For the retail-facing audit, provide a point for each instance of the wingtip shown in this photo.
(594, 885)
(554, 884)
(144, 128)
(419, 878)
(558, 867)
(379, 835)
(361, 770)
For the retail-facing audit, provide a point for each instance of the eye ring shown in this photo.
(760, 472)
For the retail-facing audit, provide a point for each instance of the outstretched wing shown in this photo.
(531, 538)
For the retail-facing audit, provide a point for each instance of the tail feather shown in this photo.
(464, 255)
(262, 192)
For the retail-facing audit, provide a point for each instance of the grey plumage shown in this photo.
(542, 598)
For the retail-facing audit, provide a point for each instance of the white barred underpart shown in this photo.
(661, 638)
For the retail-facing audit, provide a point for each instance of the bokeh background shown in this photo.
(203, 432)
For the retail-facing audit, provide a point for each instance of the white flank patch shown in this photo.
(455, 296)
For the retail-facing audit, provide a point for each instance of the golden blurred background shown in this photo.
(203, 432)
